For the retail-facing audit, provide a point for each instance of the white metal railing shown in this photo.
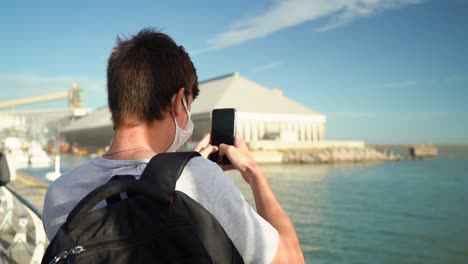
(20, 229)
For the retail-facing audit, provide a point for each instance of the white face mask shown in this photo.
(181, 135)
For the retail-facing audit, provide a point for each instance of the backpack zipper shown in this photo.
(119, 241)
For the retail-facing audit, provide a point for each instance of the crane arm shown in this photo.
(34, 99)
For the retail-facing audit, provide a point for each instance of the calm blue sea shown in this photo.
(395, 212)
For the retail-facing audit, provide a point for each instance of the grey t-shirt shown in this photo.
(201, 179)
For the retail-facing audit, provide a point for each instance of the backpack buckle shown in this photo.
(64, 254)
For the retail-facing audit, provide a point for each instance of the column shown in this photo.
(282, 126)
(261, 129)
(254, 130)
(296, 130)
(315, 136)
(302, 132)
(322, 131)
(308, 131)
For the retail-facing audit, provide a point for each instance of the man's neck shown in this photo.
(141, 141)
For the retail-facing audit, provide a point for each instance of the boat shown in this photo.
(38, 158)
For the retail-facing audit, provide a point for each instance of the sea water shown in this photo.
(393, 212)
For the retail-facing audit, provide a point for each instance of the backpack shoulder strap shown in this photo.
(117, 197)
(164, 170)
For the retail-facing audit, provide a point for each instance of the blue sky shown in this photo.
(385, 71)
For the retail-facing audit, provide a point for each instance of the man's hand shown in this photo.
(204, 147)
(240, 157)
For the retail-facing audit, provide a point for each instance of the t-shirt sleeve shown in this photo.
(255, 238)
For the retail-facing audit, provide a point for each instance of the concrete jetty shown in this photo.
(339, 154)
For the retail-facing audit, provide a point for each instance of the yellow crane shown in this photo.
(73, 97)
(34, 99)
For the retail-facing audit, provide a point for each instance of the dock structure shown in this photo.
(22, 236)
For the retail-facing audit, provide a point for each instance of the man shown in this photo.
(151, 85)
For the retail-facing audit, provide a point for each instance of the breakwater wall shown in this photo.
(340, 154)
(327, 155)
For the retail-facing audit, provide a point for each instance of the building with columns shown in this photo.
(266, 119)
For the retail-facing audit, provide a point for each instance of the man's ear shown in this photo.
(178, 107)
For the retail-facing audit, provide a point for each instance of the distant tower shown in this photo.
(74, 97)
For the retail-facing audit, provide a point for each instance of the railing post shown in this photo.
(6, 210)
(20, 245)
(40, 236)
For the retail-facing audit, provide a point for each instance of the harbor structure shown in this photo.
(270, 123)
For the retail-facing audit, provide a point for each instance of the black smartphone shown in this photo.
(223, 130)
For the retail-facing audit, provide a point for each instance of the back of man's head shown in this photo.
(143, 73)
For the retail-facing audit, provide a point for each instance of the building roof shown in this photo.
(229, 91)
(238, 92)
(99, 118)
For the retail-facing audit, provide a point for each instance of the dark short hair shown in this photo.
(143, 73)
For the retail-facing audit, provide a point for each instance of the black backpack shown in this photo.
(155, 224)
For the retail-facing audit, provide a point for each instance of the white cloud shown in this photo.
(398, 84)
(266, 67)
(288, 13)
(20, 85)
(352, 10)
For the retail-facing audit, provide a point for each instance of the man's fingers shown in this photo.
(208, 150)
(204, 147)
(233, 155)
(203, 143)
(226, 149)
